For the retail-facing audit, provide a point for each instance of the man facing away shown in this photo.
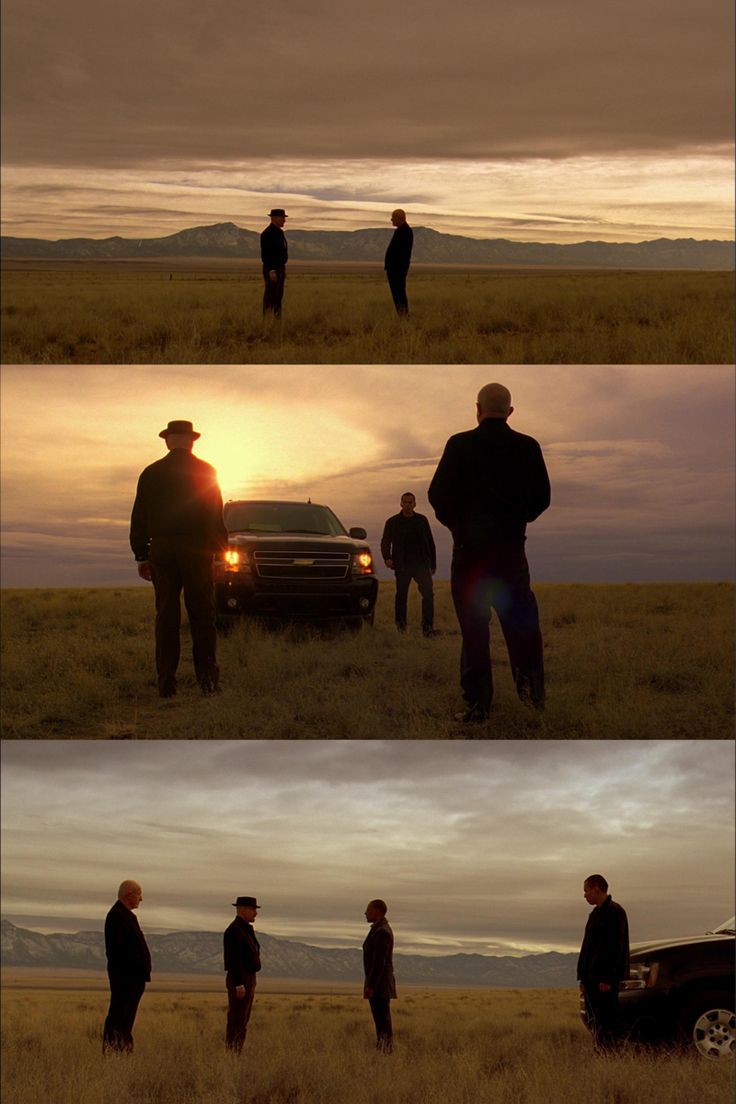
(242, 963)
(274, 255)
(603, 961)
(175, 529)
(407, 547)
(380, 986)
(489, 484)
(397, 260)
(128, 968)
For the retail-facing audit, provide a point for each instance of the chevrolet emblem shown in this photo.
(303, 563)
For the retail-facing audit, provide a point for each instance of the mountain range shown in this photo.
(225, 239)
(201, 953)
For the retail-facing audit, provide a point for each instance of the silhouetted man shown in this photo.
(175, 529)
(490, 482)
(604, 962)
(407, 547)
(397, 260)
(128, 968)
(274, 255)
(380, 986)
(242, 963)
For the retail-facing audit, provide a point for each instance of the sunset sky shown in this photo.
(562, 121)
(640, 458)
(475, 846)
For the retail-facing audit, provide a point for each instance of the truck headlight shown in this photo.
(642, 975)
(237, 560)
(232, 556)
(362, 563)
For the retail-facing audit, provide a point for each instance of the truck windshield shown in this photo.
(281, 517)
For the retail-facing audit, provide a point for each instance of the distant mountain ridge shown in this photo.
(201, 953)
(225, 239)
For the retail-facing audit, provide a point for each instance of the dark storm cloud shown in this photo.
(105, 83)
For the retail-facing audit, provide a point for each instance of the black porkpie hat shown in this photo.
(185, 428)
(278, 211)
(245, 902)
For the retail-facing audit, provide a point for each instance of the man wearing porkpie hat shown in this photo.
(175, 528)
(242, 963)
(274, 255)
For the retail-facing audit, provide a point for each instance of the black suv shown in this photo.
(294, 560)
(682, 991)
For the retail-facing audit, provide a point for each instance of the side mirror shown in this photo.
(358, 533)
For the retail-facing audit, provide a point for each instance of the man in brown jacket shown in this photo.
(175, 528)
(242, 963)
(380, 986)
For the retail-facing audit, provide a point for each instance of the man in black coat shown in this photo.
(407, 547)
(604, 961)
(128, 968)
(490, 482)
(397, 260)
(380, 986)
(175, 529)
(274, 255)
(242, 963)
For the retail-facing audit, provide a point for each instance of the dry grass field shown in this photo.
(117, 315)
(310, 1047)
(623, 662)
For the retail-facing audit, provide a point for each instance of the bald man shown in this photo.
(398, 259)
(128, 968)
(489, 484)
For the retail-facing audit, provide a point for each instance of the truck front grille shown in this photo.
(301, 565)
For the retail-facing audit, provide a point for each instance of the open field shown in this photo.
(452, 1047)
(623, 661)
(195, 315)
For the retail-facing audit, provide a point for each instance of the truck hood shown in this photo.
(658, 945)
(299, 542)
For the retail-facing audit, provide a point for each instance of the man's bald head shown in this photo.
(494, 401)
(130, 893)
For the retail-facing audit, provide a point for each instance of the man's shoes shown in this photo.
(209, 688)
(530, 689)
(401, 626)
(167, 688)
(428, 630)
(474, 714)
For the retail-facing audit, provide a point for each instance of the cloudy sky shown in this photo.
(555, 121)
(475, 846)
(640, 458)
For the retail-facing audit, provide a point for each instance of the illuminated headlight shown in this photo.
(237, 560)
(642, 975)
(362, 563)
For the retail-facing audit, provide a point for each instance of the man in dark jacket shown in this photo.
(380, 986)
(175, 528)
(407, 547)
(398, 259)
(274, 255)
(490, 482)
(604, 961)
(128, 968)
(242, 963)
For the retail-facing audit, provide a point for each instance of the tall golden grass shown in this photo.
(632, 661)
(451, 1047)
(94, 316)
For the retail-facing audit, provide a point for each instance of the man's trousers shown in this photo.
(603, 1013)
(397, 284)
(238, 1014)
(381, 1011)
(496, 576)
(176, 564)
(125, 997)
(423, 578)
(273, 291)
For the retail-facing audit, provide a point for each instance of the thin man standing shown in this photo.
(408, 549)
(380, 985)
(128, 968)
(175, 529)
(274, 255)
(489, 484)
(242, 962)
(397, 260)
(604, 962)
